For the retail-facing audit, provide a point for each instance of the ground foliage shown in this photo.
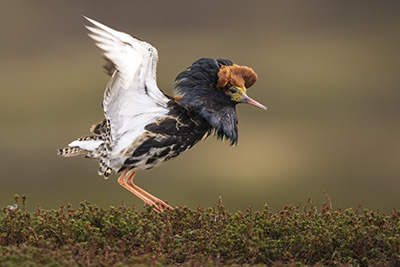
(119, 236)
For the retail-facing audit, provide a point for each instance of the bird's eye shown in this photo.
(233, 90)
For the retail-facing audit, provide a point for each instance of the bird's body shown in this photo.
(145, 127)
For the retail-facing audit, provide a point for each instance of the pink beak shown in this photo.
(252, 102)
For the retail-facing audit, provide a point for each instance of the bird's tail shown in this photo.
(87, 146)
(71, 151)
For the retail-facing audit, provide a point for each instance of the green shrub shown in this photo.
(119, 236)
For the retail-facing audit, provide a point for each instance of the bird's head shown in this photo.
(234, 80)
(213, 88)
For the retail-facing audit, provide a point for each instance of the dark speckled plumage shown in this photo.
(197, 86)
(168, 137)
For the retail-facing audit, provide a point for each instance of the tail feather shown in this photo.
(96, 146)
(91, 138)
(72, 151)
(85, 146)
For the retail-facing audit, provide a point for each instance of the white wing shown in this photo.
(132, 98)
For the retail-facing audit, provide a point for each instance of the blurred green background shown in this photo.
(328, 73)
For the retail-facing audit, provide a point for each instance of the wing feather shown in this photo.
(131, 99)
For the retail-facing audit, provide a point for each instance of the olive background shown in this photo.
(328, 73)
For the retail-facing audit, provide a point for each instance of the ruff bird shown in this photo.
(143, 126)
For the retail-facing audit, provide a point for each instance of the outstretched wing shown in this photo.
(132, 99)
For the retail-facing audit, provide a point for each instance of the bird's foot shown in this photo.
(158, 205)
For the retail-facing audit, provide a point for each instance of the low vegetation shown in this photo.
(92, 236)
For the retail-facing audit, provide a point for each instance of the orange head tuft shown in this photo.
(235, 76)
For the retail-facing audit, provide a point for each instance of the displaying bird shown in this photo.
(143, 126)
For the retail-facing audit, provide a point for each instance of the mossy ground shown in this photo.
(120, 236)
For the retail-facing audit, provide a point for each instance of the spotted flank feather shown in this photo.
(106, 148)
(99, 128)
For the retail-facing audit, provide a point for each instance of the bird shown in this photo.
(143, 126)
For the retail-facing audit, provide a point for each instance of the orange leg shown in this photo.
(122, 181)
(147, 198)
(158, 203)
